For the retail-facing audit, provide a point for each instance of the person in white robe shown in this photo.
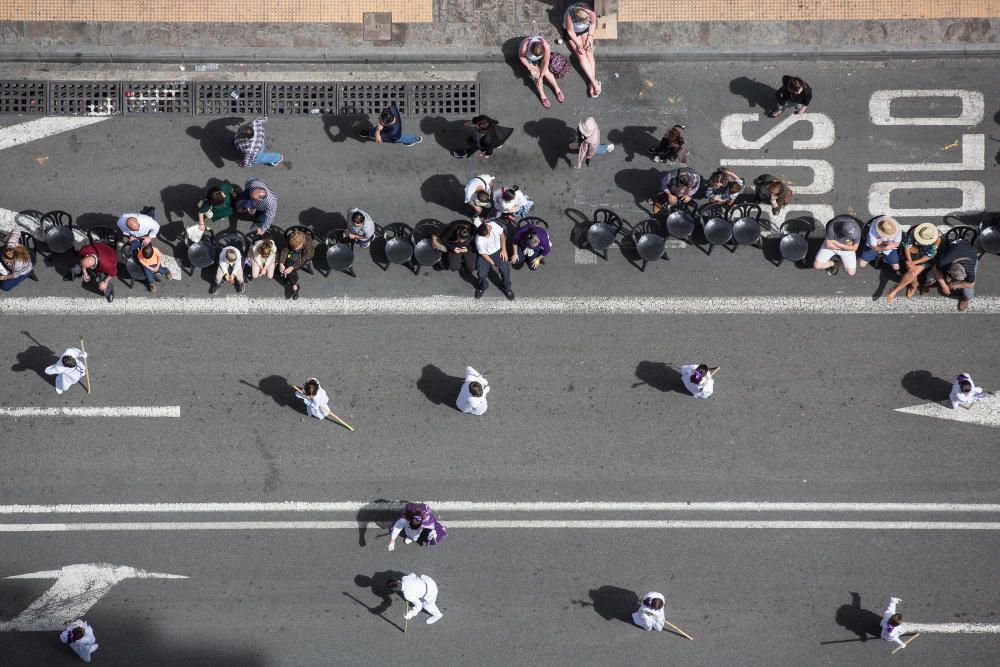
(698, 380)
(421, 592)
(650, 615)
(965, 393)
(892, 623)
(80, 637)
(69, 369)
(315, 397)
(472, 397)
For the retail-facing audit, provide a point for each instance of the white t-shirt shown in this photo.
(475, 184)
(875, 236)
(487, 245)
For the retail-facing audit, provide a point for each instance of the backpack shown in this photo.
(558, 65)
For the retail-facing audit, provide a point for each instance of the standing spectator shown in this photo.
(793, 91)
(680, 185)
(965, 393)
(588, 136)
(650, 615)
(472, 397)
(487, 136)
(262, 259)
(259, 200)
(417, 524)
(151, 261)
(920, 247)
(456, 239)
(230, 270)
(511, 203)
(672, 147)
(543, 66)
(80, 637)
(15, 262)
(773, 191)
(491, 244)
(360, 228)
(842, 237)
(218, 204)
(724, 187)
(698, 379)
(103, 260)
(580, 22)
(299, 250)
(531, 245)
(884, 237)
(479, 193)
(954, 271)
(250, 141)
(139, 226)
(389, 129)
(69, 369)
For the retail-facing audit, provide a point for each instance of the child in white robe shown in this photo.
(80, 638)
(69, 370)
(316, 400)
(698, 379)
(892, 623)
(472, 397)
(650, 616)
(965, 392)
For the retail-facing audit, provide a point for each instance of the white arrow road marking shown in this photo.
(22, 133)
(125, 411)
(76, 590)
(985, 412)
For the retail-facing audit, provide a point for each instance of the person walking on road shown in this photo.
(487, 136)
(698, 379)
(650, 615)
(102, 259)
(965, 393)
(80, 637)
(491, 244)
(457, 240)
(420, 591)
(479, 193)
(15, 262)
(69, 369)
(920, 248)
(580, 23)
(891, 623)
(141, 227)
(672, 147)
(794, 92)
(543, 67)
(884, 237)
(260, 201)
(417, 524)
(588, 137)
(472, 397)
(389, 129)
(151, 260)
(230, 270)
(249, 140)
(360, 228)
(315, 397)
(842, 237)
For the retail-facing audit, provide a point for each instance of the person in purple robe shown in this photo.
(417, 524)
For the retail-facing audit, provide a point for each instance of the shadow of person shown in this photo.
(450, 135)
(925, 386)
(614, 603)
(659, 375)
(217, 140)
(378, 585)
(320, 222)
(757, 94)
(381, 512)
(642, 184)
(862, 622)
(342, 128)
(634, 140)
(885, 274)
(36, 358)
(439, 387)
(446, 191)
(178, 200)
(280, 392)
(554, 137)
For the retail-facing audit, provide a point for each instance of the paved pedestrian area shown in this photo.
(803, 10)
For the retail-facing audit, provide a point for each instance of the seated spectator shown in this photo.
(773, 191)
(102, 259)
(672, 147)
(724, 187)
(535, 55)
(920, 247)
(218, 204)
(139, 226)
(298, 250)
(262, 259)
(151, 261)
(884, 237)
(531, 245)
(795, 92)
(360, 228)
(510, 203)
(679, 185)
(479, 193)
(954, 272)
(15, 262)
(389, 129)
(249, 140)
(230, 270)
(965, 393)
(842, 237)
(457, 239)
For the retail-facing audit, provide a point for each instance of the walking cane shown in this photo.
(328, 412)
(86, 365)
(905, 644)
(406, 620)
(678, 629)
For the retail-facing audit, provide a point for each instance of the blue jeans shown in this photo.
(405, 139)
(8, 285)
(601, 149)
(149, 273)
(483, 268)
(267, 157)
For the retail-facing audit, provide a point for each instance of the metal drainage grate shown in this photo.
(22, 97)
(237, 98)
(84, 98)
(434, 99)
(299, 98)
(162, 97)
(368, 99)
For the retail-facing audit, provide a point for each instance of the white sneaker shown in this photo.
(433, 619)
(611, 148)
(407, 540)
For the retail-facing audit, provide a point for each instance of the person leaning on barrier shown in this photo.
(457, 240)
(954, 272)
(920, 247)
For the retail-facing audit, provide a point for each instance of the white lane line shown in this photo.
(123, 411)
(22, 133)
(465, 306)
(953, 628)
(493, 525)
(490, 506)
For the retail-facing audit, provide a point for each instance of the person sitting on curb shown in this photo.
(151, 260)
(230, 270)
(472, 397)
(954, 272)
(680, 185)
(535, 55)
(298, 251)
(842, 236)
(141, 227)
(360, 228)
(884, 237)
(389, 129)
(261, 259)
(920, 247)
(457, 240)
(15, 262)
(102, 259)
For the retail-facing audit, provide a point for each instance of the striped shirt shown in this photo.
(268, 205)
(252, 147)
(16, 268)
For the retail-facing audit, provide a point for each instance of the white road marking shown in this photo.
(465, 306)
(731, 131)
(123, 411)
(502, 506)
(659, 524)
(986, 412)
(973, 107)
(879, 195)
(76, 590)
(822, 182)
(952, 628)
(973, 159)
(22, 133)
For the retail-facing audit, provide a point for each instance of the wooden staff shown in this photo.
(406, 620)
(86, 366)
(335, 417)
(678, 629)
(905, 644)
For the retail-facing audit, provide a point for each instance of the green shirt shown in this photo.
(223, 210)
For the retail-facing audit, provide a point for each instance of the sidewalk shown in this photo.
(477, 30)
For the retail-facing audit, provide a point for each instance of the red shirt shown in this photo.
(107, 258)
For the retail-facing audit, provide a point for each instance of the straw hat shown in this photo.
(925, 234)
(887, 226)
